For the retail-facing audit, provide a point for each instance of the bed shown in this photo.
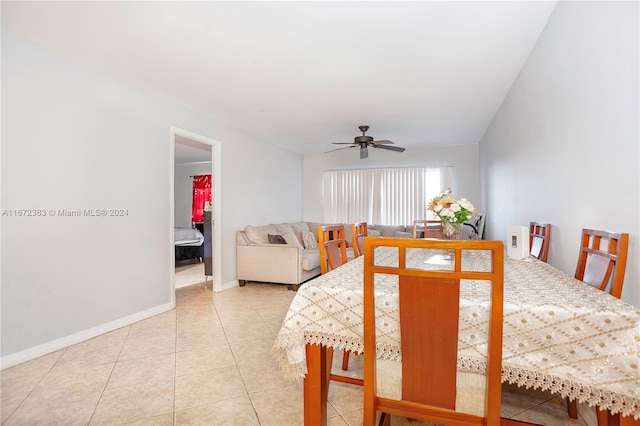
(188, 244)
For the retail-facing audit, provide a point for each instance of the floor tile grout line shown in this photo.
(95, 409)
(36, 385)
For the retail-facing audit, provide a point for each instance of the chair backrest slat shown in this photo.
(429, 304)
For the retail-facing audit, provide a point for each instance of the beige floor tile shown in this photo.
(135, 402)
(208, 387)
(346, 398)
(148, 342)
(240, 333)
(68, 381)
(282, 406)
(161, 420)
(236, 411)
(337, 421)
(142, 370)
(259, 376)
(196, 338)
(516, 399)
(353, 418)
(76, 410)
(199, 320)
(189, 274)
(258, 350)
(204, 359)
(552, 413)
(103, 349)
(18, 381)
(239, 318)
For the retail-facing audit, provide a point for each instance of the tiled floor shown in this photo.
(207, 362)
(189, 273)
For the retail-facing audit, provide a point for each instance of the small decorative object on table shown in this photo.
(453, 213)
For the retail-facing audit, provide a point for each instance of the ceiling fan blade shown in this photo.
(344, 143)
(338, 149)
(380, 142)
(390, 148)
(364, 152)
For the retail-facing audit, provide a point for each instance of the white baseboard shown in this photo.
(55, 345)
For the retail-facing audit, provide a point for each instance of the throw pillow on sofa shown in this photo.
(259, 234)
(276, 239)
(291, 239)
(309, 240)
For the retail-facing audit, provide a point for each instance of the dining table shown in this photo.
(559, 334)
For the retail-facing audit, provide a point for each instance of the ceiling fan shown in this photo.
(367, 141)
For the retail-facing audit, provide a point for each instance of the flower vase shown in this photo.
(451, 231)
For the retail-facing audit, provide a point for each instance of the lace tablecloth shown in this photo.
(559, 334)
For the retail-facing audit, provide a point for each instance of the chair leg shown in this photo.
(345, 360)
(385, 419)
(572, 408)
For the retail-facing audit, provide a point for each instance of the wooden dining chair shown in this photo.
(431, 387)
(358, 232)
(603, 259)
(333, 253)
(333, 247)
(539, 240)
(602, 262)
(428, 228)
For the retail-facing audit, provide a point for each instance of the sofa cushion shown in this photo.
(402, 234)
(276, 239)
(390, 231)
(310, 259)
(291, 239)
(298, 228)
(259, 234)
(373, 233)
(313, 227)
(309, 240)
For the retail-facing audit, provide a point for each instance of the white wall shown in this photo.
(74, 138)
(463, 158)
(183, 193)
(563, 147)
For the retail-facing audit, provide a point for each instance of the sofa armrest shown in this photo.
(277, 263)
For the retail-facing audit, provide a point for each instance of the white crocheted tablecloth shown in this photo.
(560, 334)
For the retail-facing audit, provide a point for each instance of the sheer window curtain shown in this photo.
(391, 196)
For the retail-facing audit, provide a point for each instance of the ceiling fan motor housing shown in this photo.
(363, 139)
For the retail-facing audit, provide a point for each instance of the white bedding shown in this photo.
(188, 237)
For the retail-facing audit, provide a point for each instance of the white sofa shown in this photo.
(259, 260)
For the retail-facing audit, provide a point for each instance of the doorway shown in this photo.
(192, 154)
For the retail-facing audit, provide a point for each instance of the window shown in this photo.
(201, 194)
(394, 196)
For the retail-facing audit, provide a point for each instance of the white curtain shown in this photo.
(394, 196)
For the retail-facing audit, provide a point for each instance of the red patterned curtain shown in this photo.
(201, 194)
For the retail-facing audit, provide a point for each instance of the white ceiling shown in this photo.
(188, 151)
(302, 75)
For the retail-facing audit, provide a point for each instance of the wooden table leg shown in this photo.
(605, 418)
(316, 386)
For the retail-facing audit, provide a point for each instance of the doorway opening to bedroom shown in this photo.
(194, 211)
